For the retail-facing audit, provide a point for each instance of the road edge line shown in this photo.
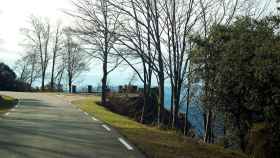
(125, 144)
(106, 127)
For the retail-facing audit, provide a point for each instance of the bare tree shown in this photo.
(147, 14)
(74, 58)
(97, 27)
(138, 51)
(38, 36)
(22, 70)
(60, 73)
(27, 68)
(181, 17)
(57, 44)
(160, 25)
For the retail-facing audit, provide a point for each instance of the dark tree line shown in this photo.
(8, 80)
(242, 76)
(7, 77)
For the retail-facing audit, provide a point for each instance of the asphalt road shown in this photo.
(45, 126)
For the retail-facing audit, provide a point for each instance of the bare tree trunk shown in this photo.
(46, 60)
(53, 68)
(43, 81)
(161, 98)
(172, 105)
(160, 65)
(32, 71)
(44, 51)
(208, 125)
(145, 99)
(55, 51)
(70, 85)
(175, 108)
(22, 72)
(175, 65)
(60, 75)
(104, 82)
(106, 32)
(186, 128)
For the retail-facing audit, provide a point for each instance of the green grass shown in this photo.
(155, 143)
(6, 103)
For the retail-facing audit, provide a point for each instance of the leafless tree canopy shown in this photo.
(38, 37)
(75, 59)
(97, 27)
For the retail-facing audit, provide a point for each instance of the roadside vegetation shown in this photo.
(6, 103)
(155, 142)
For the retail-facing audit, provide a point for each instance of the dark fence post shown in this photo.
(74, 89)
(89, 89)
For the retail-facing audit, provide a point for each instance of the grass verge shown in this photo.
(155, 143)
(6, 103)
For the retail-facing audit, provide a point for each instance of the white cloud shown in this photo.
(14, 15)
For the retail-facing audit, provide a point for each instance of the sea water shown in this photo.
(195, 115)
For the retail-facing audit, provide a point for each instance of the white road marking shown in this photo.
(125, 144)
(86, 113)
(13, 110)
(94, 119)
(106, 127)
(7, 113)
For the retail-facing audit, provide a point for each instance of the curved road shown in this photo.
(46, 126)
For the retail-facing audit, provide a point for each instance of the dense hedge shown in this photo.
(8, 80)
